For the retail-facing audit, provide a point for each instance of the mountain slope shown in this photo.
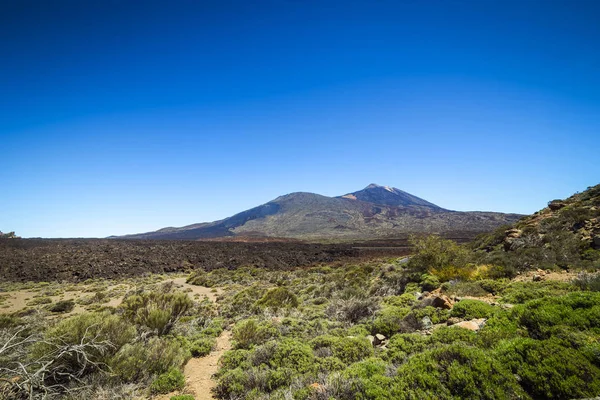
(564, 234)
(374, 212)
(388, 196)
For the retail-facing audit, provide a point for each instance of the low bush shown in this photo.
(182, 397)
(352, 310)
(99, 335)
(389, 320)
(251, 332)
(429, 282)
(139, 361)
(9, 321)
(586, 281)
(200, 278)
(548, 370)
(401, 346)
(437, 255)
(578, 310)
(469, 309)
(294, 355)
(201, 347)
(521, 292)
(280, 297)
(347, 349)
(63, 306)
(456, 371)
(156, 311)
(167, 382)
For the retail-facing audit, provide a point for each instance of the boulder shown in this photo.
(441, 301)
(472, 325)
(537, 278)
(452, 321)
(427, 323)
(371, 339)
(555, 205)
(379, 338)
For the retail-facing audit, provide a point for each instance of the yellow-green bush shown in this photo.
(139, 361)
(157, 311)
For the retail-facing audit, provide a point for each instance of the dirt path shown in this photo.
(199, 371)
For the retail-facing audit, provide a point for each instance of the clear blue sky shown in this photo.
(127, 116)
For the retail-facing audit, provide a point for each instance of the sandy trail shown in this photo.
(199, 371)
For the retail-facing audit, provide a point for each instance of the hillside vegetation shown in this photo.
(565, 234)
(514, 315)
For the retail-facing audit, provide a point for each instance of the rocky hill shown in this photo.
(564, 234)
(374, 212)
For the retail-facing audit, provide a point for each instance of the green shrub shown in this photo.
(200, 278)
(182, 397)
(100, 335)
(201, 347)
(434, 253)
(521, 292)
(590, 282)
(548, 370)
(404, 300)
(437, 315)
(157, 311)
(401, 346)
(63, 306)
(39, 300)
(450, 335)
(138, 361)
(456, 372)
(251, 332)
(389, 320)
(429, 282)
(232, 384)
(9, 321)
(169, 381)
(280, 297)
(501, 326)
(469, 309)
(293, 354)
(347, 349)
(233, 359)
(330, 364)
(579, 310)
(368, 379)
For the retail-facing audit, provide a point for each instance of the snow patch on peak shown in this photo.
(390, 189)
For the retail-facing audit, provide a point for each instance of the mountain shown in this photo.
(374, 212)
(388, 196)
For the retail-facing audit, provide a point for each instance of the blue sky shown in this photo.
(120, 117)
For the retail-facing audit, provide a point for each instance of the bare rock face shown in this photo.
(472, 325)
(442, 301)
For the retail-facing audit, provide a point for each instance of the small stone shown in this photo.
(379, 338)
(537, 278)
(371, 339)
(426, 322)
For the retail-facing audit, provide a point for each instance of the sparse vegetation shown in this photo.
(453, 322)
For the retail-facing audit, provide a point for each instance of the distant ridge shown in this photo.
(371, 213)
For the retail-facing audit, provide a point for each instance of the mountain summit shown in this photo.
(389, 196)
(371, 213)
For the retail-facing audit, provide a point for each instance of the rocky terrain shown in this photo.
(564, 234)
(374, 212)
(81, 259)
